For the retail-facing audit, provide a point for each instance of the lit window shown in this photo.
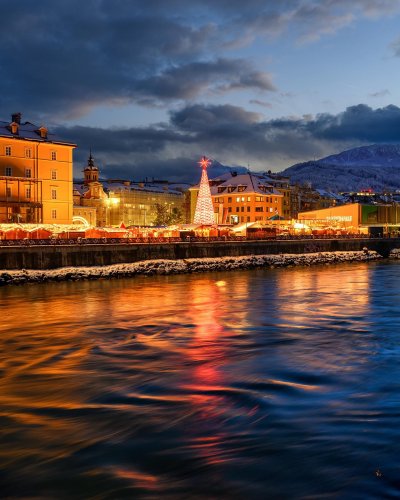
(8, 150)
(8, 171)
(28, 192)
(238, 199)
(242, 198)
(28, 172)
(28, 153)
(54, 155)
(54, 175)
(54, 214)
(54, 194)
(248, 198)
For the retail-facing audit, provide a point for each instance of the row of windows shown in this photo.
(240, 188)
(8, 172)
(248, 198)
(28, 193)
(257, 209)
(235, 219)
(28, 153)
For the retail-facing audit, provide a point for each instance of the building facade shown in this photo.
(356, 217)
(123, 202)
(35, 174)
(242, 198)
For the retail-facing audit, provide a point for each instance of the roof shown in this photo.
(30, 132)
(242, 183)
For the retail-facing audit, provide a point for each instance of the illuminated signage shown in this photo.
(340, 218)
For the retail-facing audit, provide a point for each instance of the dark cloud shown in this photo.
(60, 59)
(231, 135)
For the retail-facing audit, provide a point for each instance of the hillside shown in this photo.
(376, 167)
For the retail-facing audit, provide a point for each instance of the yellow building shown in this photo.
(35, 174)
(123, 202)
(355, 218)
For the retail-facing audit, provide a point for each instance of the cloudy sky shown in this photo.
(151, 85)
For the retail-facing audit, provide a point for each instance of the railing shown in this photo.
(184, 239)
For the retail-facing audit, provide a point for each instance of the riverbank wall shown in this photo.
(182, 266)
(49, 256)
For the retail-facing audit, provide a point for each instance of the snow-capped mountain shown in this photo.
(374, 167)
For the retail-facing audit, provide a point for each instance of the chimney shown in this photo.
(16, 117)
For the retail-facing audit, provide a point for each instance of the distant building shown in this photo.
(35, 174)
(303, 198)
(356, 217)
(282, 184)
(134, 203)
(118, 201)
(241, 198)
(91, 202)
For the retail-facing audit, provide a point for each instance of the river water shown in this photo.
(249, 384)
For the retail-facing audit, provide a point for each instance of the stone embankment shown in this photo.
(164, 267)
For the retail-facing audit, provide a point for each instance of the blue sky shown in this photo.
(151, 86)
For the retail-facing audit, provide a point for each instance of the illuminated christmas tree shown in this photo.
(204, 213)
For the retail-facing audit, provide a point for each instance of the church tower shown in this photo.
(91, 172)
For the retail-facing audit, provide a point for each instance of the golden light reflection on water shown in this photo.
(340, 288)
(98, 364)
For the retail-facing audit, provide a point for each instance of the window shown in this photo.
(229, 209)
(28, 192)
(54, 214)
(242, 209)
(221, 189)
(258, 198)
(28, 153)
(271, 209)
(8, 150)
(242, 198)
(237, 209)
(8, 192)
(28, 172)
(8, 171)
(241, 188)
(54, 194)
(54, 155)
(229, 199)
(259, 209)
(248, 198)
(248, 209)
(238, 199)
(54, 175)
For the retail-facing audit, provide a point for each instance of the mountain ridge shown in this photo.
(376, 167)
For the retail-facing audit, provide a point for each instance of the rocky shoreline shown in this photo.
(166, 267)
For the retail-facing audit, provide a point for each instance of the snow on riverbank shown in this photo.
(151, 267)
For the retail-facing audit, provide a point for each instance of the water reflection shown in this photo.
(213, 386)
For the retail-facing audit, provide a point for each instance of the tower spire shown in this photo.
(204, 213)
